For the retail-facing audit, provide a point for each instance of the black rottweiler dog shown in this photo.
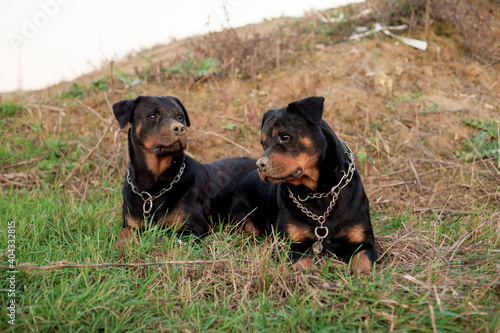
(307, 189)
(163, 185)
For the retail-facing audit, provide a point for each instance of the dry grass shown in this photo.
(477, 21)
(435, 216)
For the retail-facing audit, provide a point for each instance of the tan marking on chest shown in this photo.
(356, 234)
(298, 233)
(158, 164)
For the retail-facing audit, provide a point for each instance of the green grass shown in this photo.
(191, 66)
(9, 108)
(73, 91)
(128, 79)
(485, 144)
(438, 256)
(76, 91)
(433, 271)
(263, 294)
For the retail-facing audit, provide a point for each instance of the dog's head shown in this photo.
(157, 124)
(293, 143)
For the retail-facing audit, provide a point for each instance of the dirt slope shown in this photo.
(400, 110)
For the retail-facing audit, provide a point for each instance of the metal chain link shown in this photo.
(334, 192)
(148, 198)
(351, 169)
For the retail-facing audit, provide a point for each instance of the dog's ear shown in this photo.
(310, 108)
(267, 116)
(123, 110)
(186, 117)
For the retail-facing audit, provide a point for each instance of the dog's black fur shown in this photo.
(301, 152)
(157, 139)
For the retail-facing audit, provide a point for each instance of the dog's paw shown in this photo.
(125, 238)
(360, 265)
(304, 263)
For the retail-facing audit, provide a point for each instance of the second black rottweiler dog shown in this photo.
(307, 189)
(164, 186)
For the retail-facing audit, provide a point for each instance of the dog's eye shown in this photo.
(180, 117)
(284, 137)
(153, 117)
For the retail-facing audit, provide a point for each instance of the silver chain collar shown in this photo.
(148, 198)
(322, 231)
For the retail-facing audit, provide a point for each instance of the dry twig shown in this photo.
(92, 110)
(229, 140)
(90, 153)
(29, 267)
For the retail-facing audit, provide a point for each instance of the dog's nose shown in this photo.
(178, 128)
(262, 163)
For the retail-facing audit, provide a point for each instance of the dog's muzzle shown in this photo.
(178, 128)
(262, 163)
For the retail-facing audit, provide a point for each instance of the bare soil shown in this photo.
(401, 106)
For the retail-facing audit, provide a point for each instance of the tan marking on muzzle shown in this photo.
(283, 165)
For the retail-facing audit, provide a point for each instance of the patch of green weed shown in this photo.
(430, 107)
(9, 108)
(229, 126)
(99, 84)
(191, 66)
(306, 46)
(485, 144)
(128, 79)
(73, 91)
